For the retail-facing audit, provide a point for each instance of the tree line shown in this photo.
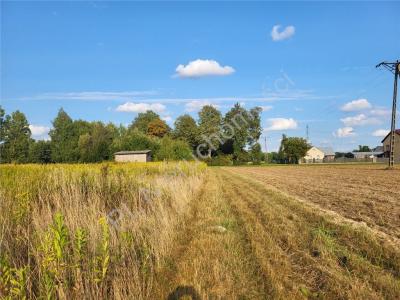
(217, 138)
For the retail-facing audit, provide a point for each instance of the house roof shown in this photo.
(396, 131)
(132, 152)
(327, 150)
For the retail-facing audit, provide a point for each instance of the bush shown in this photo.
(170, 149)
(221, 160)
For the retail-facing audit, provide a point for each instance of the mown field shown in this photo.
(169, 230)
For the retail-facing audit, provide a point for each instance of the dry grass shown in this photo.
(224, 233)
(56, 241)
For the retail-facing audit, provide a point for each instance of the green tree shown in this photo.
(17, 137)
(210, 121)
(256, 155)
(292, 149)
(254, 128)
(64, 139)
(362, 148)
(173, 150)
(236, 123)
(95, 146)
(40, 152)
(186, 129)
(131, 140)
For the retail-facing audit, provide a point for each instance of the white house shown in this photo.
(133, 156)
(314, 155)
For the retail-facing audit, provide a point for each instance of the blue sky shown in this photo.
(110, 60)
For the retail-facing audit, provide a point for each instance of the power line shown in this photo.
(393, 67)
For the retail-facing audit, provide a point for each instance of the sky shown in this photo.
(305, 63)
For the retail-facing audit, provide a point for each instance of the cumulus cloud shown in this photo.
(380, 132)
(141, 107)
(380, 112)
(266, 107)
(202, 67)
(355, 105)
(283, 34)
(344, 132)
(360, 120)
(281, 124)
(196, 105)
(39, 132)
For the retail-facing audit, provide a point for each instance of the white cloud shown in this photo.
(266, 107)
(202, 67)
(344, 132)
(39, 132)
(360, 120)
(355, 105)
(281, 124)
(167, 119)
(282, 35)
(380, 132)
(141, 107)
(93, 96)
(196, 105)
(380, 112)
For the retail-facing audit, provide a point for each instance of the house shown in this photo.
(133, 156)
(386, 146)
(329, 154)
(314, 155)
(366, 155)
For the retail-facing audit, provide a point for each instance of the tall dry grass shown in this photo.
(90, 231)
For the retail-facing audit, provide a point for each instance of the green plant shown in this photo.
(103, 257)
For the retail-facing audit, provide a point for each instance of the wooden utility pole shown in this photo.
(393, 67)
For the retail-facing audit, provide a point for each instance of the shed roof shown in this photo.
(132, 152)
(396, 131)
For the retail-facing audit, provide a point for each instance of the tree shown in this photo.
(134, 140)
(236, 126)
(173, 150)
(210, 120)
(186, 129)
(362, 148)
(292, 149)
(17, 137)
(95, 146)
(254, 127)
(142, 121)
(64, 138)
(40, 152)
(157, 128)
(256, 154)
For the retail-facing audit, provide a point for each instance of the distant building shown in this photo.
(386, 146)
(329, 154)
(314, 155)
(133, 156)
(366, 155)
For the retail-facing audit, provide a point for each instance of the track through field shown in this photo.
(275, 247)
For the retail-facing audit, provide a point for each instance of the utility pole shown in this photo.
(308, 138)
(393, 67)
(266, 152)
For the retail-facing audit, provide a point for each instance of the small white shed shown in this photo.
(133, 156)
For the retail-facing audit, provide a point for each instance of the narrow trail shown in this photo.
(211, 258)
(246, 241)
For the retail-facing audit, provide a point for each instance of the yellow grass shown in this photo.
(183, 229)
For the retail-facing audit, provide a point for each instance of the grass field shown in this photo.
(162, 231)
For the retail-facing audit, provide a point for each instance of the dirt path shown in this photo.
(274, 247)
(210, 258)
